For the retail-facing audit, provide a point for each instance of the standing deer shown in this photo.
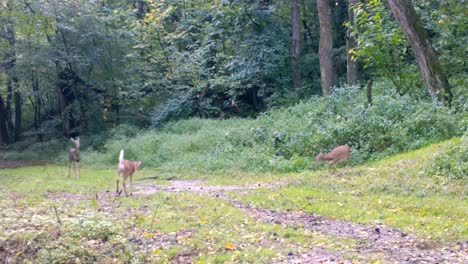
(126, 169)
(74, 157)
(335, 156)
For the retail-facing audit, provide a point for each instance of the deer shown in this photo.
(126, 169)
(74, 157)
(337, 155)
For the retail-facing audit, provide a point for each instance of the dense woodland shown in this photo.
(74, 67)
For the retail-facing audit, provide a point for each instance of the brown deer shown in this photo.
(74, 157)
(335, 156)
(126, 169)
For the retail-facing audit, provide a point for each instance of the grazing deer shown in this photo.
(126, 169)
(335, 156)
(74, 157)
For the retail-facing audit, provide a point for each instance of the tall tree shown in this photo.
(325, 47)
(296, 43)
(351, 63)
(9, 64)
(429, 65)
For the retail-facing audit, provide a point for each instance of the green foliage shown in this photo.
(282, 139)
(174, 109)
(382, 47)
(451, 162)
(446, 23)
(288, 139)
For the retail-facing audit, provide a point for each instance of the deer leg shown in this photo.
(124, 186)
(74, 168)
(117, 190)
(78, 168)
(131, 184)
(69, 168)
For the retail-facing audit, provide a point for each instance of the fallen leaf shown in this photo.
(229, 246)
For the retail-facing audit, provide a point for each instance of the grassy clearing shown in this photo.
(395, 192)
(88, 224)
(40, 203)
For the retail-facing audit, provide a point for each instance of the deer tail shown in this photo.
(121, 156)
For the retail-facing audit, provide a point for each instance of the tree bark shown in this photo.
(8, 108)
(18, 115)
(12, 80)
(429, 65)
(296, 44)
(4, 138)
(325, 47)
(351, 64)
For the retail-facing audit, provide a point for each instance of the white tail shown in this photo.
(121, 160)
(335, 156)
(74, 157)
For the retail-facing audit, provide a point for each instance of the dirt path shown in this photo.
(375, 242)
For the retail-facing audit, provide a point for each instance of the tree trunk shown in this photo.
(296, 44)
(18, 115)
(4, 138)
(325, 47)
(429, 65)
(9, 67)
(141, 8)
(351, 64)
(9, 112)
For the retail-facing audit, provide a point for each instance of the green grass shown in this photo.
(46, 202)
(41, 179)
(393, 191)
(40, 202)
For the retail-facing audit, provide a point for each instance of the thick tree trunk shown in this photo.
(296, 44)
(351, 64)
(429, 65)
(325, 47)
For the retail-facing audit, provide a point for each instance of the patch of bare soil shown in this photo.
(375, 242)
(9, 164)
